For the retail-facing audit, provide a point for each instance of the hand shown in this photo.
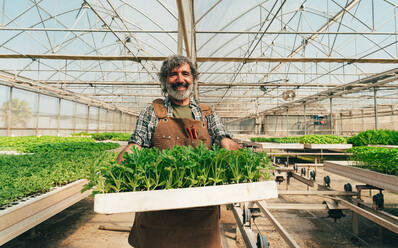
(126, 149)
(229, 144)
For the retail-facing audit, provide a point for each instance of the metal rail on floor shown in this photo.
(247, 234)
(285, 235)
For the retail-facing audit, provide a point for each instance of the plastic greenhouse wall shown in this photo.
(290, 125)
(24, 113)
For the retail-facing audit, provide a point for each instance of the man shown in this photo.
(177, 120)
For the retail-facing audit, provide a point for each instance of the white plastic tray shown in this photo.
(328, 146)
(268, 145)
(142, 201)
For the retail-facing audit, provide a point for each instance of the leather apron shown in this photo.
(180, 228)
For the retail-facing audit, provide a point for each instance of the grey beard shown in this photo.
(178, 95)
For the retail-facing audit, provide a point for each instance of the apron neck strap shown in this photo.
(159, 108)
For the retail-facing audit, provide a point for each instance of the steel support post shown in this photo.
(106, 118)
(305, 120)
(98, 119)
(37, 114)
(362, 121)
(116, 124)
(351, 122)
(74, 116)
(184, 27)
(88, 118)
(122, 125)
(375, 107)
(341, 123)
(287, 122)
(331, 115)
(355, 223)
(9, 112)
(193, 44)
(179, 38)
(59, 116)
(128, 123)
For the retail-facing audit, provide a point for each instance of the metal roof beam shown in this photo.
(376, 80)
(123, 42)
(137, 31)
(206, 84)
(201, 73)
(200, 59)
(372, 81)
(314, 36)
(183, 18)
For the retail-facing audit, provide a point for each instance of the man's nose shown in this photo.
(180, 77)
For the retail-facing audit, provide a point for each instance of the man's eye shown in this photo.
(172, 74)
(185, 73)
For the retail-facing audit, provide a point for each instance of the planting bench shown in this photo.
(19, 218)
(345, 169)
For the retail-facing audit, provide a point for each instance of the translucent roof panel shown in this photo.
(252, 52)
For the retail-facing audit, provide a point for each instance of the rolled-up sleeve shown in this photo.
(142, 134)
(216, 129)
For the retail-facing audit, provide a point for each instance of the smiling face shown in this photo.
(180, 82)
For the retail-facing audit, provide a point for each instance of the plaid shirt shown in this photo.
(147, 123)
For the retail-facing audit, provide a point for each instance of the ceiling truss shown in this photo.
(120, 46)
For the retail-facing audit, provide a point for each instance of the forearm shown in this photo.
(229, 144)
(126, 149)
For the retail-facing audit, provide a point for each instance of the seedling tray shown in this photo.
(142, 201)
(328, 146)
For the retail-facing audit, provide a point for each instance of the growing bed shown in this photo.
(385, 146)
(307, 141)
(38, 185)
(21, 217)
(25, 175)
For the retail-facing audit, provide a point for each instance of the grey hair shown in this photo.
(169, 64)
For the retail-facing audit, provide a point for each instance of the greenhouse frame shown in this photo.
(258, 66)
(292, 72)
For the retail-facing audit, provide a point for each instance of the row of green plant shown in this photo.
(22, 143)
(292, 139)
(376, 137)
(323, 139)
(106, 136)
(181, 167)
(306, 139)
(24, 175)
(379, 159)
(71, 147)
